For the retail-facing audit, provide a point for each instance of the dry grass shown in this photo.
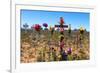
(36, 48)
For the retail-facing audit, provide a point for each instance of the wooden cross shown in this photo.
(61, 26)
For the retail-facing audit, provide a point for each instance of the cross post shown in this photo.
(61, 26)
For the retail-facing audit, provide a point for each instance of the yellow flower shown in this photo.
(81, 29)
(61, 36)
(59, 56)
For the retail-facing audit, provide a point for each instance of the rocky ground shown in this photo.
(37, 46)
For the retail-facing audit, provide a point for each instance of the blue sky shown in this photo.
(76, 19)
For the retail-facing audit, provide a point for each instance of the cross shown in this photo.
(62, 26)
